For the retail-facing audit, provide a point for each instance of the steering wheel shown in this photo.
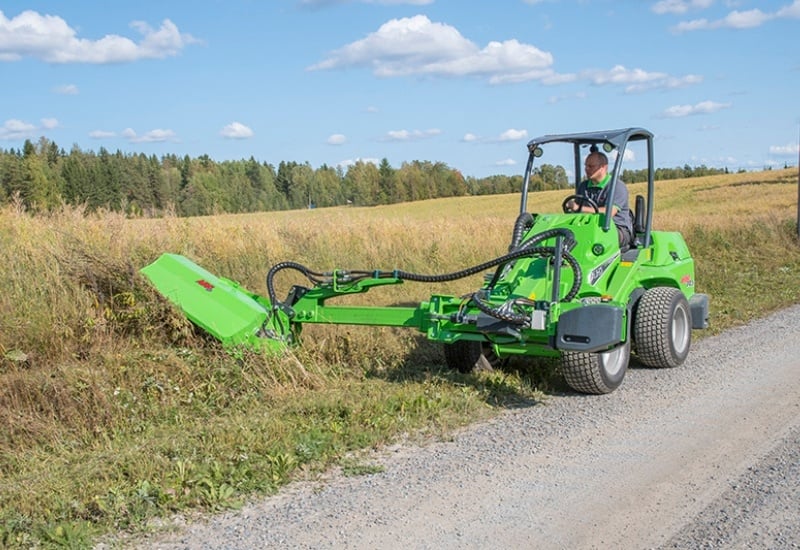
(581, 200)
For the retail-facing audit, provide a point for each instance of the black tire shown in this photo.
(468, 356)
(596, 373)
(662, 329)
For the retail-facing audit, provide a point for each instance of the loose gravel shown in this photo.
(701, 456)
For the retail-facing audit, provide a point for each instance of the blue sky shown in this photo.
(465, 82)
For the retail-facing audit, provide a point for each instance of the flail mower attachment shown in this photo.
(238, 317)
(218, 305)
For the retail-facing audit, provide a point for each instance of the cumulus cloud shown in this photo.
(153, 136)
(791, 11)
(506, 162)
(411, 135)
(513, 135)
(337, 139)
(50, 39)
(417, 46)
(351, 162)
(15, 129)
(236, 130)
(784, 150)
(638, 80)
(702, 108)
(740, 19)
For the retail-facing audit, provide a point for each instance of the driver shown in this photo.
(595, 187)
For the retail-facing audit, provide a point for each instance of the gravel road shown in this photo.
(703, 456)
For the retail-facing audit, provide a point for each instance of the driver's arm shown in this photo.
(590, 210)
(573, 205)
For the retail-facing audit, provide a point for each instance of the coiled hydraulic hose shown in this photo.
(523, 223)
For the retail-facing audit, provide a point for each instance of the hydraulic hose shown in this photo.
(519, 251)
(519, 228)
(523, 223)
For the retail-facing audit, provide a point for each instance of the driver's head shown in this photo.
(596, 166)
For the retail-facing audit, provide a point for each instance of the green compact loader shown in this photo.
(565, 290)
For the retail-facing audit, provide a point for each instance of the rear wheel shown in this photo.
(469, 356)
(596, 373)
(662, 328)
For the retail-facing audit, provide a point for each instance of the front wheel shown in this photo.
(468, 356)
(662, 329)
(596, 373)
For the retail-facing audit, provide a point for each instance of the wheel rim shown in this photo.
(612, 361)
(680, 329)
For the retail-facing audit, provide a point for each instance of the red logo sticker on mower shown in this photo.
(687, 280)
(205, 284)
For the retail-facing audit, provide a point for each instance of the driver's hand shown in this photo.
(572, 205)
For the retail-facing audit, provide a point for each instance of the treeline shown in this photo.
(633, 176)
(44, 176)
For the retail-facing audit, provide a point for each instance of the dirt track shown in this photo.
(703, 456)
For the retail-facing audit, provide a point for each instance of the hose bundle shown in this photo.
(517, 250)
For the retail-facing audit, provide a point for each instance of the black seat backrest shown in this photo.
(638, 215)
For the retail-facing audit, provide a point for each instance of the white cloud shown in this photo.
(788, 149)
(50, 39)
(236, 130)
(792, 10)
(506, 162)
(679, 6)
(417, 46)
(153, 136)
(513, 135)
(101, 134)
(629, 156)
(66, 89)
(411, 135)
(740, 19)
(666, 83)
(14, 129)
(702, 108)
(468, 137)
(638, 80)
(619, 74)
(351, 162)
(337, 139)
